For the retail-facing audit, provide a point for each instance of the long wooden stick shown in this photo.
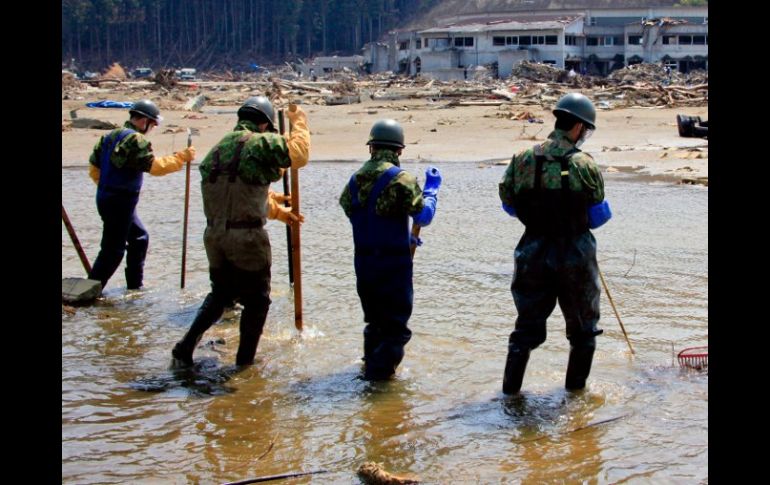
(75, 240)
(295, 244)
(415, 235)
(607, 290)
(282, 128)
(186, 209)
(276, 477)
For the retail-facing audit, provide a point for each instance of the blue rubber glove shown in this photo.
(430, 196)
(432, 181)
(509, 210)
(599, 214)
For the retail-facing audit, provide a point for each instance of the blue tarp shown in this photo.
(111, 104)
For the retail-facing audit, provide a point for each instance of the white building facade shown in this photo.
(593, 41)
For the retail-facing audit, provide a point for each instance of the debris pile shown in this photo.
(165, 78)
(531, 84)
(114, 73)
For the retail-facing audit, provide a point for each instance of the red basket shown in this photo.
(694, 358)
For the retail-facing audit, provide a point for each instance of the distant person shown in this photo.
(237, 200)
(379, 199)
(117, 165)
(557, 192)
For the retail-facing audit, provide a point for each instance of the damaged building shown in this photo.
(590, 41)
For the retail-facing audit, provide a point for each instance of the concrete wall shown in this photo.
(509, 58)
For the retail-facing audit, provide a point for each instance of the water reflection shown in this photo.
(443, 418)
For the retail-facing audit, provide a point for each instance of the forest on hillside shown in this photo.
(210, 34)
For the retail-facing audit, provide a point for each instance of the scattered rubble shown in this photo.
(538, 85)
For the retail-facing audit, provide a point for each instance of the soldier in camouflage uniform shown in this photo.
(117, 165)
(236, 176)
(379, 199)
(557, 192)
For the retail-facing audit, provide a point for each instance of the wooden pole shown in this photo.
(617, 315)
(295, 243)
(186, 209)
(282, 129)
(415, 236)
(75, 241)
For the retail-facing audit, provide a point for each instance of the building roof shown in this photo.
(544, 22)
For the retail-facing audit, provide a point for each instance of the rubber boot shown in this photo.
(686, 124)
(381, 365)
(208, 314)
(253, 319)
(579, 366)
(515, 365)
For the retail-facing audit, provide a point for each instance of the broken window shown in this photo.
(634, 40)
(512, 40)
(402, 46)
(570, 40)
(592, 40)
(685, 39)
(418, 44)
(551, 40)
(463, 41)
(538, 39)
(525, 40)
(699, 39)
(498, 40)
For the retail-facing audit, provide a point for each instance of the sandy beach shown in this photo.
(639, 140)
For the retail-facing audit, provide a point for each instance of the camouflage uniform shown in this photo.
(556, 256)
(235, 178)
(382, 256)
(119, 159)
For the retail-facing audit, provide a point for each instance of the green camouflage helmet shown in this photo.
(146, 108)
(259, 104)
(387, 132)
(578, 106)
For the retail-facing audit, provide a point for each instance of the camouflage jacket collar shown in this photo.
(558, 143)
(246, 125)
(130, 126)
(385, 156)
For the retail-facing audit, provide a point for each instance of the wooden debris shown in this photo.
(373, 474)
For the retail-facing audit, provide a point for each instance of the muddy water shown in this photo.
(126, 418)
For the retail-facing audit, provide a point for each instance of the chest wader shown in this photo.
(554, 260)
(123, 233)
(238, 251)
(383, 279)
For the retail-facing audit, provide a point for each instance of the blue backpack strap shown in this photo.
(382, 181)
(108, 146)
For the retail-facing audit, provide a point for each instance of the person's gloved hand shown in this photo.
(187, 155)
(432, 182)
(599, 214)
(280, 198)
(276, 211)
(295, 113)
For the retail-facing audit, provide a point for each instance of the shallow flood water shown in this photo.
(127, 419)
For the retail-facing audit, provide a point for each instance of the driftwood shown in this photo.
(99, 81)
(270, 478)
(373, 474)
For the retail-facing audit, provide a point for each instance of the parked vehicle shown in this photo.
(187, 74)
(141, 72)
